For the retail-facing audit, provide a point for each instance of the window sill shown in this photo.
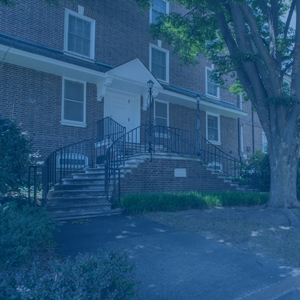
(75, 55)
(215, 143)
(213, 97)
(75, 124)
(163, 81)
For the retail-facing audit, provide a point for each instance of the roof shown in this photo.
(51, 53)
(193, 94)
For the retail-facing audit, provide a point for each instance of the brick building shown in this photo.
(63, 68)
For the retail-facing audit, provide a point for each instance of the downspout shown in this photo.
(252, 129)
(239, 132)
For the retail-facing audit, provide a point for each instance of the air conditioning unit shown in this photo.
(72, 161)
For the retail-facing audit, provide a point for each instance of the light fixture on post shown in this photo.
(149, 105)
(198, 128)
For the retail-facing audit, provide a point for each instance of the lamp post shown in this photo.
(149, 104)
(198, 126)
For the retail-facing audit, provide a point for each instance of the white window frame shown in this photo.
(69, 12)
(70, 122)
(242, 138)
(264, 142)
(218, 142)
(154, 116)
(206, 82)
(167, 10)
(165, 102)
(167, 61)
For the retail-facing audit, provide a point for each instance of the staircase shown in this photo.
(81, 195)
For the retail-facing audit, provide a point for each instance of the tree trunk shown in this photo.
(283, 164)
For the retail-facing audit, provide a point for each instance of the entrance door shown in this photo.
(124, 109)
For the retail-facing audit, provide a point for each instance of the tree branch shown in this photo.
(288, 21)
(189, 12)
(287, 67)
(269, 62)
(295, 88)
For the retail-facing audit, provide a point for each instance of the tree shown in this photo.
(255, 40)
(14, 156)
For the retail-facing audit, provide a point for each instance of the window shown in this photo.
(213, 128)
(212, 88)
(79, 34)
(73, 108)
(264, 143)
(161, 113)
(159, 7)
(159, 63)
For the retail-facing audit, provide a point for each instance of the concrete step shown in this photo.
(79, 207)
(75, 200)
(84, 215)
(75, 193)
(95, 172)
(83, 180)
(89, 175)
(89, 187)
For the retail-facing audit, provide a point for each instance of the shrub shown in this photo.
(258, 162)
(14, 156)
(23, 234)
(104, 275)
(150, 202)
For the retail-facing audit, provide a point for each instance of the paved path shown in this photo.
(177, 265)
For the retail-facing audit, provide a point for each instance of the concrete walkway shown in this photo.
(177, 265)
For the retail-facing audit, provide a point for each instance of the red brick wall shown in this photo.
(34, 100)
(158, 176)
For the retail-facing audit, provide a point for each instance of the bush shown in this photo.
(24, 232)
(257, 169)
(105, 275)
(150, 202)
(14, 156)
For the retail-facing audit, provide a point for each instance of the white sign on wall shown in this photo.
(179, 172)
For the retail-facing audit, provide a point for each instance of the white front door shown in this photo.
(124, 109)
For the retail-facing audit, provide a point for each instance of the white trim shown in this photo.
(218, 88)
(242, 137)
(81, 10)
(205, 106)
(70, 122)
(218, 142)
(264, 142)
(167, 61)
(69, 12)
(167, 10)
(49, 65)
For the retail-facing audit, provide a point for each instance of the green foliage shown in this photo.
(257, 169)
(10, 3)
(24, 232)
(14, 156)
(150, 202)
(104, 275)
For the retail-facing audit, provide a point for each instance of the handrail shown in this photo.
(179, 141)
(116, 145)
(108, 128)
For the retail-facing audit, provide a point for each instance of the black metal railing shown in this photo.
(113, 146)
(109, 129)
(36, 183)
(146, 139)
